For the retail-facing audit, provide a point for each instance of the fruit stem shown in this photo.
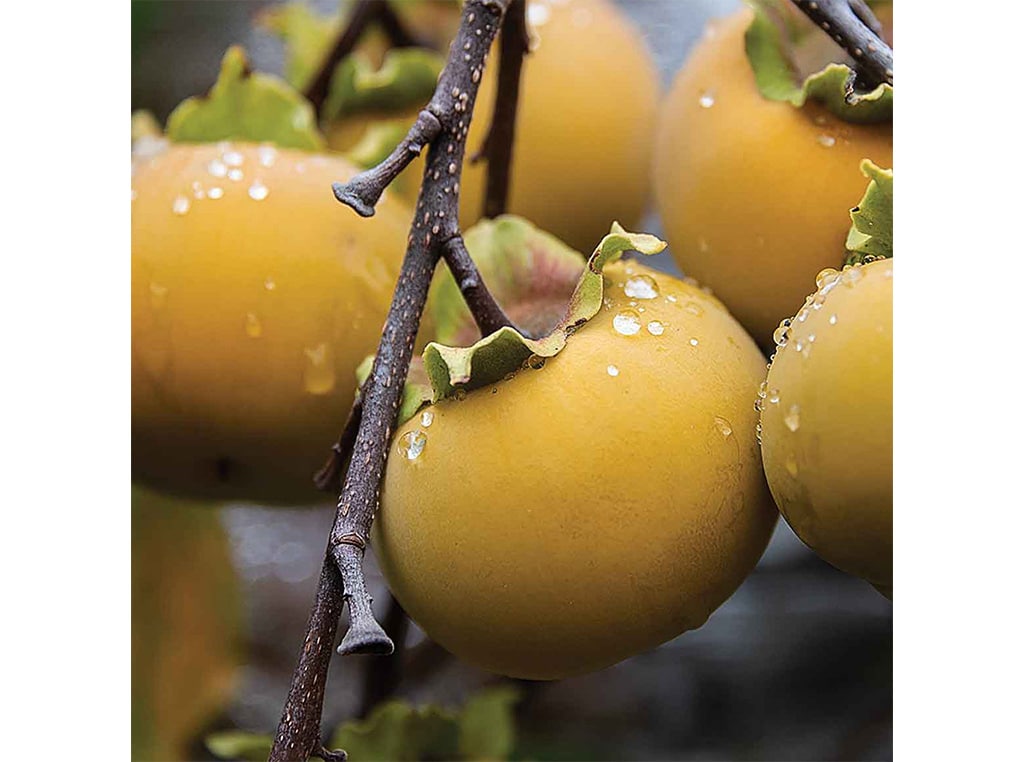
(487, 313)
(365, 13)
(854, 27)
(443, 125)
(497, 146)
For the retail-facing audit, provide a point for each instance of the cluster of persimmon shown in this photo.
(613, 488)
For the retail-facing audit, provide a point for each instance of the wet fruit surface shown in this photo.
(755, 194)
(254, 297)
(595, 504)
(827, 422)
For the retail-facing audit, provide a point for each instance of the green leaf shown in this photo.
(493, 357)
(405, 79)
(243, 105)
(487, 726)
(307, 36)
(398, 732)
(771, 41)
(239, 744)
(870, 235)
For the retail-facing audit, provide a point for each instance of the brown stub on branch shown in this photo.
(854, 28)
(444, 125)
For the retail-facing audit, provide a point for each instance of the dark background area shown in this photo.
(796, 665)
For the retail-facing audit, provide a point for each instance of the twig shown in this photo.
(497, 146)
(328, 478)
(486, 311)
(844, 21)
(435, 223)
(365, 13)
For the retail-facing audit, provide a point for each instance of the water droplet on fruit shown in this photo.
(535, 362)
(707, 99)
(773, 396)
(157, 295)
(703, 245)
(851, 275)
(267, 154)
(626, 323)
(181, 205)
(253, 327)
(656, 328)
(825, 277)
(723, 426)
(197, 191)
(269, 284)
(641, 287)
(217, 168)
(318, 376)
(671, 298)
(537, 13)
(459, 394)
(694, 309)
(235, 175)
(781, 335)
(412, 443)
(792, 418)
(694, 342)
(792, 467)
(832, 320)
(826, 141)
(613, 370)
(427, 418)
(258, 191)
(233, 158)
(215, 192)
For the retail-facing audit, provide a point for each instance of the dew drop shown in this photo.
(671, 299)
(707, 99)
(233, 158)
(535, 362)
(851, 275)
(318, 375)
(626, 323)
(537, 13)
(781, 335)
(253, 327)
(694, 342)
(459, 394)
(792, 418)
(427, 418)
(641, 287)
(825, 277)
(217, 168)
(773, 396)
(157, 295)
(792, 467)
(826, 141)
(215, 192)
(181, 205)
(258, 191)
(656, 328)
(832, 320)
(613, 370)
(266, 155)
(235, 175)
(412, 443)
(723, 426)
(703, 245)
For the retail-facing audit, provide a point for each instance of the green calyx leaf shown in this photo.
(247, 106)
(492, 358)
(307, 36)
(870, 235)
(398, 732)
(771, 42)
(406, 79)
(239, 744)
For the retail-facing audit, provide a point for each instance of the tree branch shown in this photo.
(844, 21)
(435, 223)
(365, 13)
(487, 313)
(497, 146)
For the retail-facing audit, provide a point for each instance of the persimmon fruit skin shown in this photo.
(570, 518)
(828, 460)
(249, 317)
(755, 194)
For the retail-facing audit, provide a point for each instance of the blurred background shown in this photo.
(797, 665)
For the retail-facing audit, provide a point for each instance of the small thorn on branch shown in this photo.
(364, 190)
(854, 27)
